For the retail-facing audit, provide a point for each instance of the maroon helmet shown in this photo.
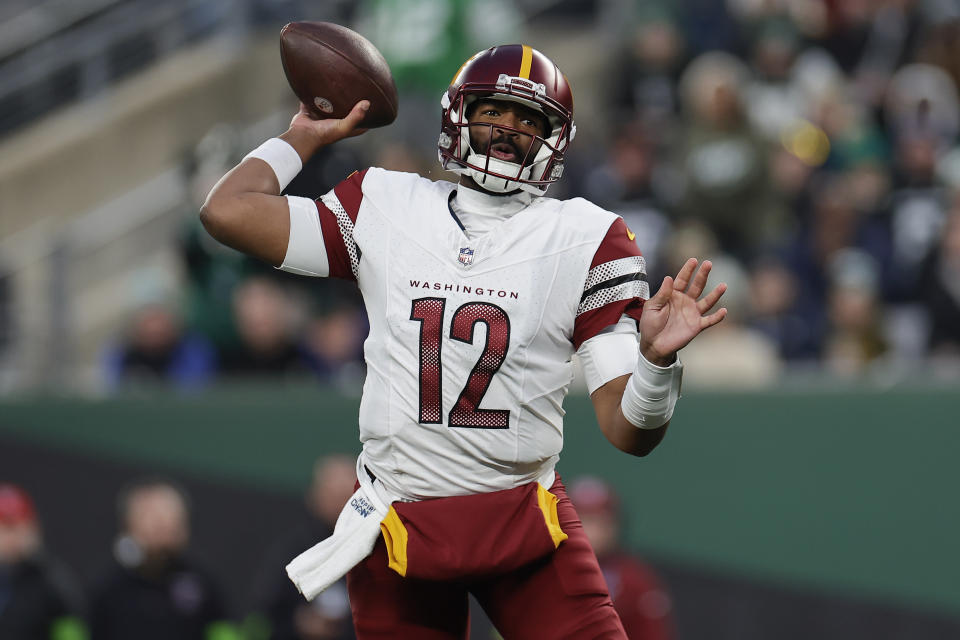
(521, 74)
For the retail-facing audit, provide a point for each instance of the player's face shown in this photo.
(507, 127)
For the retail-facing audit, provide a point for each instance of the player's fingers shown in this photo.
(683, 277)
(712, 319)
(353, 119)
(706, 302)
(700, 279)
(663, 294)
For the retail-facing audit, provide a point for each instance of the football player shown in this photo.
(478, 295)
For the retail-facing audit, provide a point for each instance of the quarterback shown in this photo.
(478, 294)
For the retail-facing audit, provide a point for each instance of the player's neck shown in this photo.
(470, 183)
(471, 197)
(480, 211)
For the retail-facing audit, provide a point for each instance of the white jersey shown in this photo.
(469, 352)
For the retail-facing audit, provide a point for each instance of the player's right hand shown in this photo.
(329, 130)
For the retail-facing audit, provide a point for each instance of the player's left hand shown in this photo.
(674, 316)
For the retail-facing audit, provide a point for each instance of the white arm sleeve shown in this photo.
(610, 354)
(306, 252)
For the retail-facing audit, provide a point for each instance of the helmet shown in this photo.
(517, 73)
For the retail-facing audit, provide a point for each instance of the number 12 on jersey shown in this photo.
(465, 412)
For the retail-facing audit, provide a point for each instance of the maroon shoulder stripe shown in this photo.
(350, 193)
(337, 255)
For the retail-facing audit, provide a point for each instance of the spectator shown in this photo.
(155, 591)
(939, 288)
(333, 346)
(723, 161)
(156, 350)
(736, 354)
(923, 113)
(643, 604)
(651, 66)
(267, 343)
(834, 224)
(287, 614)
(624, 183)
(775, 102)
(854, 337)
(38, 599)
(212, 270)
(774, 311)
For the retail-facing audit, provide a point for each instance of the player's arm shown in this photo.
(634, 410)
(620, 433)
(245, 210)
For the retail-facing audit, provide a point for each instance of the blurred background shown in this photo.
(810, 148)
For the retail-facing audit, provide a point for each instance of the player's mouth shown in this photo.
(505, 151)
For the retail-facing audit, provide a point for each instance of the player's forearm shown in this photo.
(306, 142)
(256, 175)
(620, 433)
(654, 357)
(245, 211)
(629, 439)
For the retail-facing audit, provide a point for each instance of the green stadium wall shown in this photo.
(850, 492)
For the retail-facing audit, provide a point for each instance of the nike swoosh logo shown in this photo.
(631, 235)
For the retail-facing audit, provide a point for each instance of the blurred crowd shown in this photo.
(809, 148)
(157, 588)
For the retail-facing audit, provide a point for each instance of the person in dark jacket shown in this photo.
(286, 614)
(155, 591)
(38, 598)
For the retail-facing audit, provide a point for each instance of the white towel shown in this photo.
(353, 539)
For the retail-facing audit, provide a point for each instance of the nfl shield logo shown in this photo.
(466, 256)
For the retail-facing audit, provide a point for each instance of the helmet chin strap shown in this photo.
(495, 184)
(492, 183)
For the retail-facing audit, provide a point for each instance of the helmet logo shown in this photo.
(445, 139)
(556, 171)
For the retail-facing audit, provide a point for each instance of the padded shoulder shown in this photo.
(387, 189)
(576, 220)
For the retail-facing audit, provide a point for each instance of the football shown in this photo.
(331, 68)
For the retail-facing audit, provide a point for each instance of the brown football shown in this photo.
(331, 68)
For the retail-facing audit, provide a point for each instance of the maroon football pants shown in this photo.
(562, 596)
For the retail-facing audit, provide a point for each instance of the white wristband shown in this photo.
(282, 158)
(651, 394)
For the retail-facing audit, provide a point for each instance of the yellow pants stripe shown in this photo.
(548, 505)
(395, 537)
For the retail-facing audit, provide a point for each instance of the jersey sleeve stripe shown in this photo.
(613, 282)
(345, 226)
(623, 291)
(614, 269)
